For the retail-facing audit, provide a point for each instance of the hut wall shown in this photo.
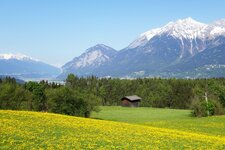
(126, 103)
(134, 104)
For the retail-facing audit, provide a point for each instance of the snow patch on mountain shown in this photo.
(21, 57)
(217, 30)
(220, 23)
(151, 33)
(144, 38)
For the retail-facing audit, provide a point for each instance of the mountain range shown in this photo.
(25, 67)
(185, 48)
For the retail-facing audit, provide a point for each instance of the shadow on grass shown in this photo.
(97, 118)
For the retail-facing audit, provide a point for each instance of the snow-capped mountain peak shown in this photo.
(184, 28)
(21, 57)
(188, 21)
(187, 28)
(98, 47)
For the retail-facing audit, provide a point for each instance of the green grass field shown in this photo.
(164, 118)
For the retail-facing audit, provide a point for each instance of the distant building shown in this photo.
(130, 101)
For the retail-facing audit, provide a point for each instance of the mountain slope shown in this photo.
(89, 61)
(209, 63)
(22, 66)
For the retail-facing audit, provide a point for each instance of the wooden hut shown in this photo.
(130, 101)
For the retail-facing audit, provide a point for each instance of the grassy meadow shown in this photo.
(127, 128)
(164, 118)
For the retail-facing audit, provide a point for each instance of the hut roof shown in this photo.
(132, 98)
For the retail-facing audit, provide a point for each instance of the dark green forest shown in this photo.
(80, 96)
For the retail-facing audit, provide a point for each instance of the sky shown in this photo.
(56, 31)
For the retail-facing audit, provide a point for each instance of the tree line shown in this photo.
(46, 97)
(81, 95)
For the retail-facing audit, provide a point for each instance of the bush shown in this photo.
(219, 108)
(201, 108)
(67, 101)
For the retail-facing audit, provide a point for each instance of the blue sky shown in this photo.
(55, 31)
